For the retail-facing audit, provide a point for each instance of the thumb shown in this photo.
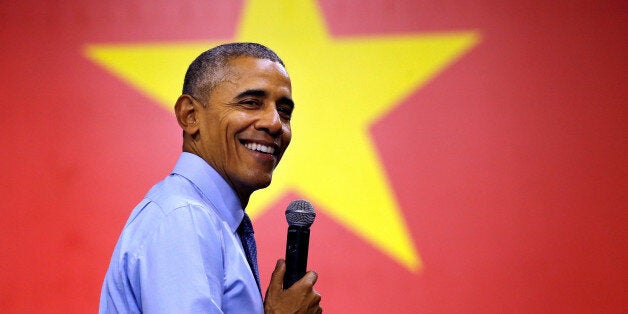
(276, 280)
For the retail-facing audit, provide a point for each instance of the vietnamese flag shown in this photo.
(497, 150)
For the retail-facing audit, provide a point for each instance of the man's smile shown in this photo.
(263, 148)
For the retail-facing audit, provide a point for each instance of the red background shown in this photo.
(515, 191)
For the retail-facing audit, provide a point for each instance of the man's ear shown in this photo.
(186, 110)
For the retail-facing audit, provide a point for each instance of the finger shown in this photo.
(315, 303)
(310, 278)
(316, 299)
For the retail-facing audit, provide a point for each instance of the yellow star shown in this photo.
(340, 85)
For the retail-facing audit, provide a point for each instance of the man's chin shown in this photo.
(263, 184)
(259, 181)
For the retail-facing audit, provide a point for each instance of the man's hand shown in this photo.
(299, 298)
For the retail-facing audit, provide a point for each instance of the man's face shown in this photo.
(245, 125)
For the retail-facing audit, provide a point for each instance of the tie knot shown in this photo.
(246, 227)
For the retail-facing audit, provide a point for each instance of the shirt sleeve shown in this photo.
(179, 266)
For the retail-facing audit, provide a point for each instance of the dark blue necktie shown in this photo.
(245, 231)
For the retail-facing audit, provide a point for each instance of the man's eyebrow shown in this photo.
(251, 92)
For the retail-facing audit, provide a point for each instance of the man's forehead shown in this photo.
(251, 71)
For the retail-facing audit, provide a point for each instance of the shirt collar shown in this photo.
(212, 186)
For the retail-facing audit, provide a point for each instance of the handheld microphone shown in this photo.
(300, 216)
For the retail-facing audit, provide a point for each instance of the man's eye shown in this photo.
(250, 103)
(285, 111)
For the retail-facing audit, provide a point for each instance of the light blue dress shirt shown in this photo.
(179, 251)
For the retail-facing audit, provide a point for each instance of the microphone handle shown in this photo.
(296, 254)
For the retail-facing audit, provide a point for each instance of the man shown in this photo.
(183, 249)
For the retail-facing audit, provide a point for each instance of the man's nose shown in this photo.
(269, 120)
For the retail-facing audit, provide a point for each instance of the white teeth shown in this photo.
(260, 148)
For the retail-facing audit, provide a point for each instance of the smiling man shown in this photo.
(188, 247)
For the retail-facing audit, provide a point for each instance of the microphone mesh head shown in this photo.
(300, 213)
